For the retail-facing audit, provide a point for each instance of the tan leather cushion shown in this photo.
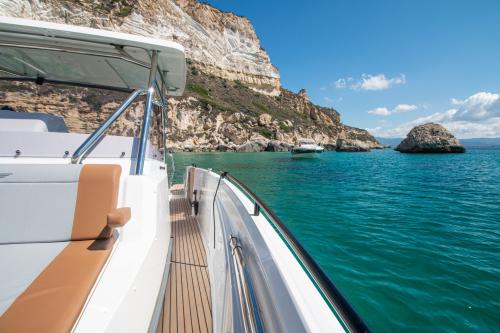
(96, 197)
(53, 302)
(55, 299)
(119, 217)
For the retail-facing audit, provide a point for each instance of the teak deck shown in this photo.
(187, 304)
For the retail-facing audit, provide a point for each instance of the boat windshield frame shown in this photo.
(155, 95)
(155, 92)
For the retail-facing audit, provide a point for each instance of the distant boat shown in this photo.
(307, 148)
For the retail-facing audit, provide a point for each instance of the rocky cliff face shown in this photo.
(220, 114)
(220, 43)
(233, 100)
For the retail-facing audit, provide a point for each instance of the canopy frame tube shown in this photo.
(153, 87)
(92, 140)
(148, 110)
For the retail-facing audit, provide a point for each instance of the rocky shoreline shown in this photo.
(220, 115)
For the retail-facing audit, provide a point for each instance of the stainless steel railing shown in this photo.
(148, 110)
(93, 138)
(248, 306)
(339, 304)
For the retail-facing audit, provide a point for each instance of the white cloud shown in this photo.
(379, 82)
(370, 82)
(480, 106)
(380, 112)
(328, 99)
(340, 83)
(400, 108)
(476, 116)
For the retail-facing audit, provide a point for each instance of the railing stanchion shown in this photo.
(148, 110)
(93, 138)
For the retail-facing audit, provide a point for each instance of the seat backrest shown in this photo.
(50, 203)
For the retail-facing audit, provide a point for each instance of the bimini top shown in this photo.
(60, 53)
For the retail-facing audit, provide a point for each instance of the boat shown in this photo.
(306, 148)
(95, 238)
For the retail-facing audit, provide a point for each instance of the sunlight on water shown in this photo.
(413, 241)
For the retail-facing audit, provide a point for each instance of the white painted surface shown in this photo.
(312, 307)
(288, 300)
(31, 122)
(53, 144)
(22, 125)
(37, 202)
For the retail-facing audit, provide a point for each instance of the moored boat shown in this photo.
(93, 238)
(306, 148)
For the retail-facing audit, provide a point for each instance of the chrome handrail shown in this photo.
(148, 110)
(248, 308)
(330, 292)
(93, 138)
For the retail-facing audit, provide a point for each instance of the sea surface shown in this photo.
(412, 241)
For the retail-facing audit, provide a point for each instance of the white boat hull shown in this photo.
(307, 150)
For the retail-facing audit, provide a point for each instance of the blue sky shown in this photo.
(388, 65)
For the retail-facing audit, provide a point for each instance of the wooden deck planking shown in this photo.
(187, 304)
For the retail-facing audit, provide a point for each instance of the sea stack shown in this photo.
(430, 138)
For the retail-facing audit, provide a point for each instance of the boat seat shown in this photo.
(56, 237)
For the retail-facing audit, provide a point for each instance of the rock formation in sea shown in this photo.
(351, 146)
(430, 138)
(234, 100)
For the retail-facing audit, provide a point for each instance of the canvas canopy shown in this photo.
(59, 53)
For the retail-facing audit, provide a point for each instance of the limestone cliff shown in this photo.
(220, 43)
(233, 100)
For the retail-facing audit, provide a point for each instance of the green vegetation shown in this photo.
(199, 89)
(217, 95)
(285, 128)
(265, 132)
(261, 107)
(124, 11)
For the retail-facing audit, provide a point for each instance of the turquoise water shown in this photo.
(412, 241)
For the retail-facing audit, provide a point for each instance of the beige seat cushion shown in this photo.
(54, 294)
(97, 196)
(56, 203)
(53, 302)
